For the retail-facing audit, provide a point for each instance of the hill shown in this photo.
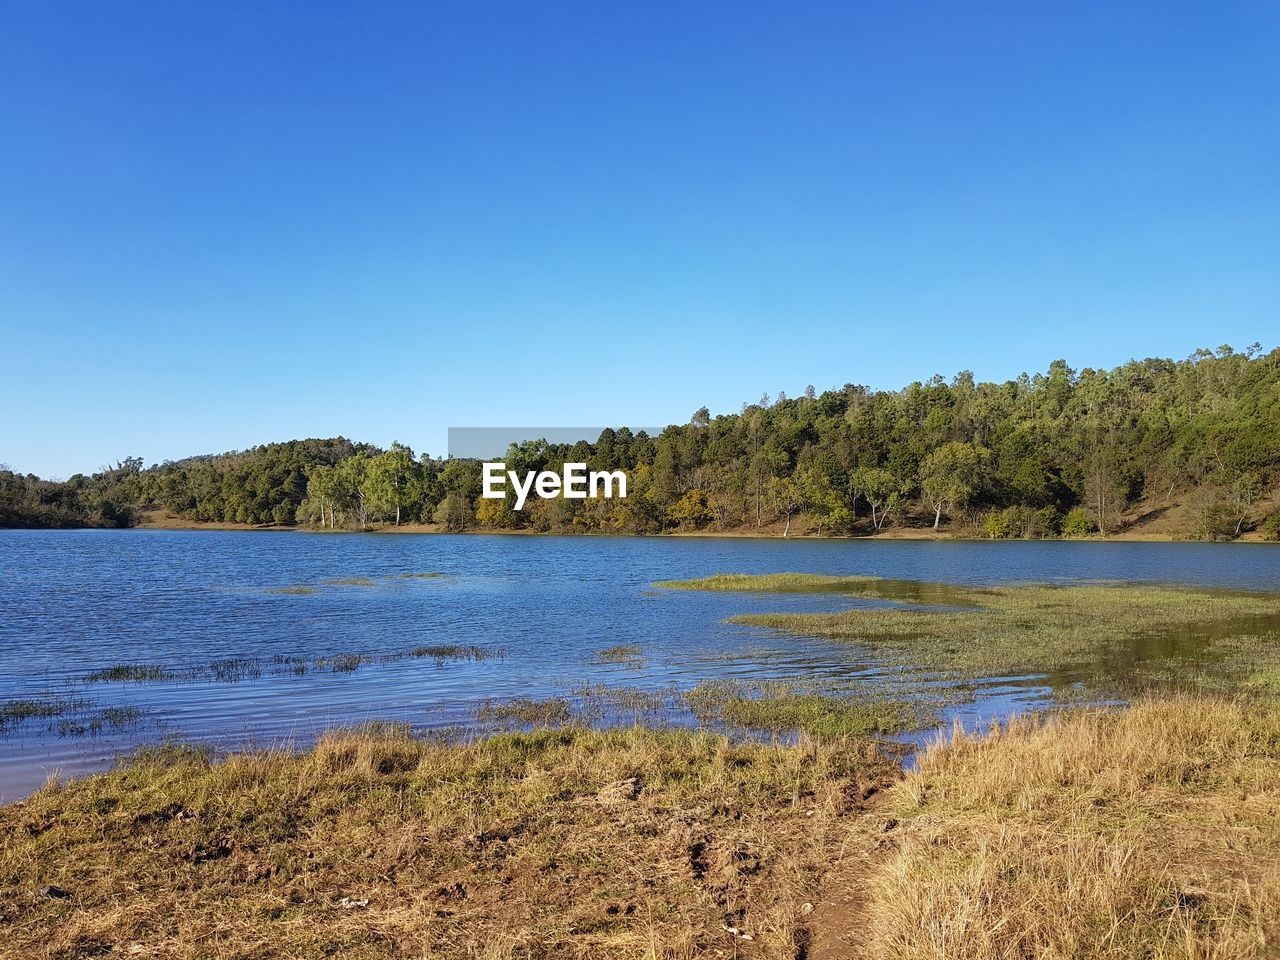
(1155, 447)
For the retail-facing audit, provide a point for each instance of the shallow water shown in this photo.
(257, 629)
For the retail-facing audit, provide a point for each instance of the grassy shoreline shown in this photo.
(1152, 830)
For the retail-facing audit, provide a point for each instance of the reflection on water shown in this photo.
(250, 638)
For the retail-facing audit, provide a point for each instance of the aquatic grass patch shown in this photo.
(235, 669)
(132, 673)
(526, 712)
(770, 583)
(602, 844)
(239, 669)
(1031, 629)
(601, 704)
(338, 663)
(442, 652)
(788, 708)
(871, 588)
(626, 654)
(17, 711)
(306, 589)
(1151, 831)
(66, 716)
(20, 710)
(100, 721)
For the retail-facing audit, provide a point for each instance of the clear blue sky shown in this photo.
(228, 223)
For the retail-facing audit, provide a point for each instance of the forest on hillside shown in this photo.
(1059, 453)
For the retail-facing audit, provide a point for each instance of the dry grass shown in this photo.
(570, 843)
(1152, 832)
(1148, 832)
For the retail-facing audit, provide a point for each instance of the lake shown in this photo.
(253, 638)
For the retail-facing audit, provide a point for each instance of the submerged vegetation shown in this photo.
(98, 721)
(524, 711)
(306, 589)
(1123, 632)
(17, 711)
(1179, 447)
(251, 668)
(66, 715)
(133, 673)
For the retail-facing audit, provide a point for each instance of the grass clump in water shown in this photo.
(628, 654)
(131, 673)
(22, 709)
(16, 711)
(74, 716)
(99, 721)
(339, 663)
(440, 652)
(605, 705)
(601, 844)
(235, 669)
(527, 712)
(785, 708)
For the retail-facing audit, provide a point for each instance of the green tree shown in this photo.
(950, 476)
(388, 481)
(882, 491)
(787, 497)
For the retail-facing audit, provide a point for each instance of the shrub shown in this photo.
(1047, 522)
(996, 525)
(1270, 528)
(1020, 522)
(1077, 523)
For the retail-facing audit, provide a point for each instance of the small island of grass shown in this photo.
(1125, 631)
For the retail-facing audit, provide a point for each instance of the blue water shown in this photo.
(72, 602)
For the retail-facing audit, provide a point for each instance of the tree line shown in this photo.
(1060, 453)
